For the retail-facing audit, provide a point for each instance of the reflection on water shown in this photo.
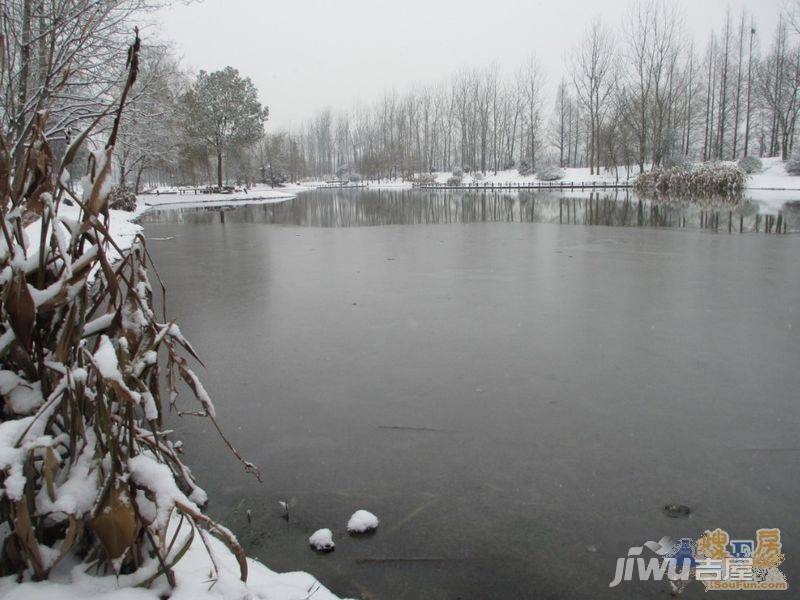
(621, 208)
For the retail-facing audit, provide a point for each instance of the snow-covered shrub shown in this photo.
(524, 168)
(458, 172)
(455, 180)
(550, 174)
(355, 178)
(121, 198)
(86, 461)
(424, 178)
(793, 164)
(477, 176)
(750, 164)
(710, 178)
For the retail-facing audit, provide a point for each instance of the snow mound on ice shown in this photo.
(362, 521)
(322, 540)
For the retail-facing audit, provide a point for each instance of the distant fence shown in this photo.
(339, 186)
(532, 185)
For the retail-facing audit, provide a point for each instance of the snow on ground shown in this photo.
(259, 194)
(771, 189)
(362, 521)
(773, 177)
(69, 582)
(121, 227)
(512, 176)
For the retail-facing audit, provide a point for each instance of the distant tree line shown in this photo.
(640, 94)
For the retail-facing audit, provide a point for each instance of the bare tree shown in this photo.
(531, 86)
(779, 83)
(593, 65)
(749, 90)
(66, 56)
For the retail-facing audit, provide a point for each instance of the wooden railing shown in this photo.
(528, 185)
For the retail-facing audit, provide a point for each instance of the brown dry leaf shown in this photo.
(55, 300)
(67, 334)
(23, 529)
(97, 199)
(115, 524)
(73, 533)
(111, 278)
(12, 559)
(75, 145)
(21, 309)
(51, 464)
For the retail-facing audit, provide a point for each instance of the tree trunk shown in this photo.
(138, 183)
(219, 168)
(749, 86)
(24, 68)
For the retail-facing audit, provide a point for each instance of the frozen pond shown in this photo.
(517, 401)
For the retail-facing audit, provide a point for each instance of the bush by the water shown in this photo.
(121, 198)
(706, 179)
(550, 174)
(424, 178)
(750, 164)
(455, 180)
(524, 168)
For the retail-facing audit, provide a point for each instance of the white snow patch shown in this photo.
(362, 521)
(70, 582)
(76, 495)
(156, 477)
(105, 359)
(322, 540)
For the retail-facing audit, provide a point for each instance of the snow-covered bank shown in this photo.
(124, 228)
(255, 195)
(772, 177)
(69, 582)
(772, 188)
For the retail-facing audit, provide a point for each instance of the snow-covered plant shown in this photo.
(87, 468)
(793, 164)
(454, 180)
(458, 172)
(708, 179)
(477, 176)
(524, 168)
(550, 174)
(750, 164)
(424, 178)
(121, 198)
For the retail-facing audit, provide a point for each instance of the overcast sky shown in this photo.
(308, 54)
